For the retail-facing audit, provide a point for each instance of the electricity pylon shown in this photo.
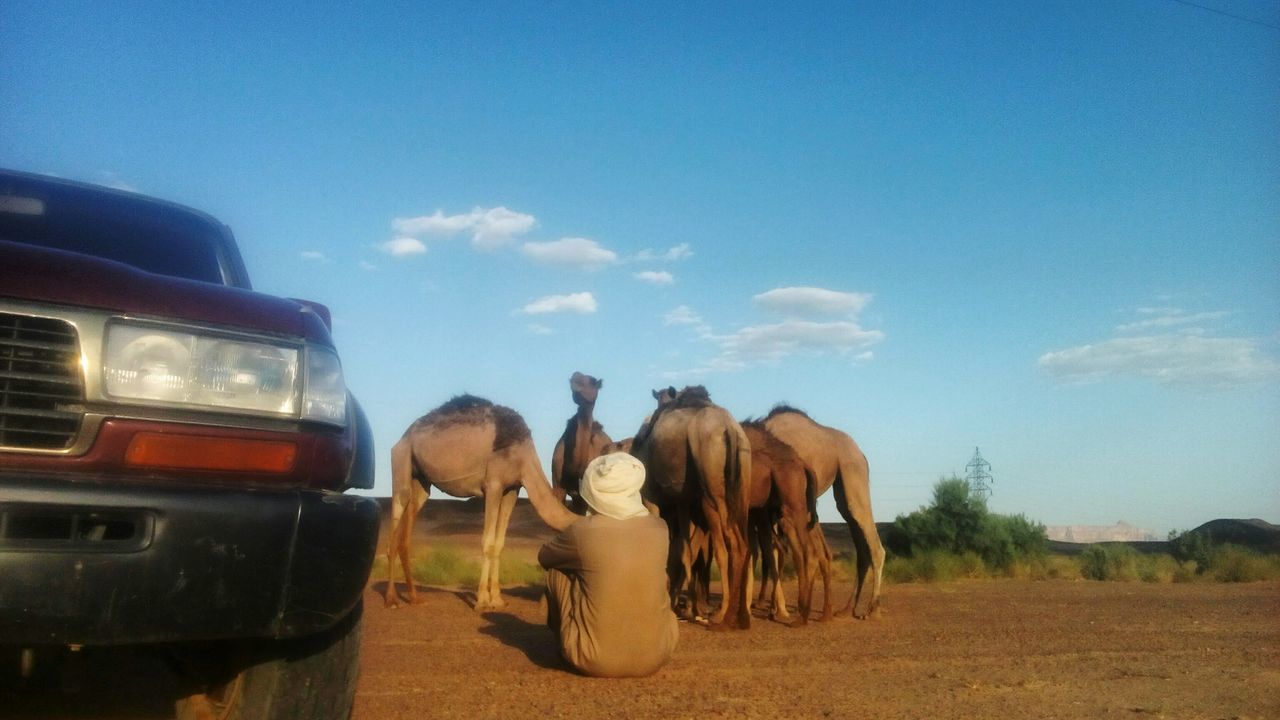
(979, 476)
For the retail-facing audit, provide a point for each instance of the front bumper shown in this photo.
(98, 563)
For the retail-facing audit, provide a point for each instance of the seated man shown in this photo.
(606, 575)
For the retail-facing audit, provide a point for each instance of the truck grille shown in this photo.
(40, 383)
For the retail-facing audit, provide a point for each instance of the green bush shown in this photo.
(958, 523)
(1109, 562)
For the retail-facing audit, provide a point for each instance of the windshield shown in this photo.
(147, 235)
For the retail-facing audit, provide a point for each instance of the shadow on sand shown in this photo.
(535, 640)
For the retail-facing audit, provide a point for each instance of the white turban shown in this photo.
(611, 486)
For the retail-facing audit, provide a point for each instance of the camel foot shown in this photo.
(390, 603)
(719, 627)
(798, 622)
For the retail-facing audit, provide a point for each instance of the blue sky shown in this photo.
(1050, 230)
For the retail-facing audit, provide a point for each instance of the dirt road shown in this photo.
(1006, 649)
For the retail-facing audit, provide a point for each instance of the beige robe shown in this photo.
(607, 595)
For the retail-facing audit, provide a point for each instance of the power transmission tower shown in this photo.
(979, 476)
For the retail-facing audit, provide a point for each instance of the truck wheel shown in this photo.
(312, 678)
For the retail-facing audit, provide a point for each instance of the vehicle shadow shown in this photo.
(535, 640)
(93, 684)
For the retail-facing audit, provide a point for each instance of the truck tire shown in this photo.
(308, 678)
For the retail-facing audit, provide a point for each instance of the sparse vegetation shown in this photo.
(449, 566)
(956, 537)
(1195, 557)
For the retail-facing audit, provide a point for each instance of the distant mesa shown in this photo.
(1120, 532)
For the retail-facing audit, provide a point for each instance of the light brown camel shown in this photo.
(782, 499)
(583, 441)
(698, 465)
(838, 461)
(467, 447)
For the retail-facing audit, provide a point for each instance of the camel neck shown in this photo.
(584, 412)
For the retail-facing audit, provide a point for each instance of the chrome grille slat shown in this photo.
(39, 374)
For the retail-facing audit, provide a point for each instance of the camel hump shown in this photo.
(693, 396)
(511, 428)
(783, 408)
(466, 409)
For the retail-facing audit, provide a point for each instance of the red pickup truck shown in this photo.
(174, 454)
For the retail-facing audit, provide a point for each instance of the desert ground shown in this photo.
(966, 649)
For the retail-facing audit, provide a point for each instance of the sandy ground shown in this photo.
(984, 649)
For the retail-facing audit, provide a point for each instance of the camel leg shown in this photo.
(821, 563)
(778, 596)
(407, 498)
(728, 542)
(853, 500)
(507, 504)
(492, 509)
(797, 540)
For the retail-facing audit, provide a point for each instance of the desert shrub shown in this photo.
(1157, 568)
(1109, 562)
(1194, 547)
(934, 566)
(1232, 563)
(1059, 567)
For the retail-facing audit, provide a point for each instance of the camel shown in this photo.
(781, 491)
(583, 441)
(698, 465)
(838, 461)
(467, 447)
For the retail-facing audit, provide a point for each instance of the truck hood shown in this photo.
(38, 274)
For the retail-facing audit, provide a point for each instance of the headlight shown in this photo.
(205, 370)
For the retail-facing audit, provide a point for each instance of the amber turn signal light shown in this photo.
(191, 452)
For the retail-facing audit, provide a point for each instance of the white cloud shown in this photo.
(657, 277)
(368, 266)
(672, 254)
(1178, 349)
(808, 301)
(572, 252)
(583, 303)
(314, 255)
(539, 329)
(490, 228)
(1184, 359)
(776, 341)
(403, 246)
(681, 315)
(1160, 318)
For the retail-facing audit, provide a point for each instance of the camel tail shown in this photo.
(810, 497)
(737, 473)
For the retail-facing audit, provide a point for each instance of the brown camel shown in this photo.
(467, 447)
(838, 461)
(583, 441)
(698, 464)
(782, 498)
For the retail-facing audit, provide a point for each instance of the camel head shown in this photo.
(584, 388)
(665, 395)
